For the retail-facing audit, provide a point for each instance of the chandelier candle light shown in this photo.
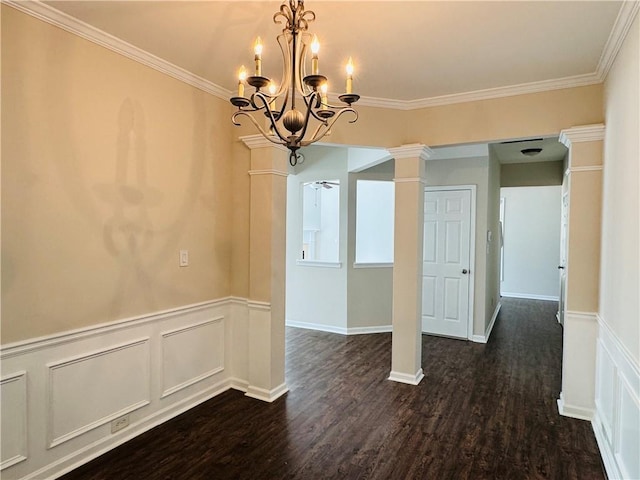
(288, 125)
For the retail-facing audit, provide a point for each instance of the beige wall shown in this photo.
(109, 169)
(536, 114)
(79, 224)
(619, 281)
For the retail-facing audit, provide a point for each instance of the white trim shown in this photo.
(615, 363)
(258, 305)
(55, 17)
(22, 454)
(259, 141)
(572, 411)
(192, 381)
(608, 457)
(266, 395)
(315, 263)
(626, 357)
(39, 343)
(411, 180)
(340, 330)
(317, 326)
(268, 172)
(624, 20)
(584, 133)
(472, 249)
(530, 296)
(407, 378)
(486, 94)
(595, 168)
(373, 265)
(55, 441)
(412, 150)
(105, 444)
(584, 316)
(485, 338)
(369, 330)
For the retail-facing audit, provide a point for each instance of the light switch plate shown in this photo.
(184, 258)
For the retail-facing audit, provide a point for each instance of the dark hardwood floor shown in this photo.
(481, 412)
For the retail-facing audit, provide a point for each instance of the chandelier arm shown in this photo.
(239, 112)
(317, 136)
(272, 119)
(284, 44)
(266, 135)
(306, 118)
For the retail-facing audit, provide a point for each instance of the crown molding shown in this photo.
(55, 17)
(486, 94)
(413, 150)
(626, 16)
(586, 133)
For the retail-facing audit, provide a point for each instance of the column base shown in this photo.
(407, 378)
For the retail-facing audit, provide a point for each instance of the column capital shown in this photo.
(413, 150)
(259, 141)
(584, 133)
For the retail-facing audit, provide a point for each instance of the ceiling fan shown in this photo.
(323, 184)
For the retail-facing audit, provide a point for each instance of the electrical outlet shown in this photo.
(119, 423)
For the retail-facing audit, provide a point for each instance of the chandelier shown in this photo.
(287, 124)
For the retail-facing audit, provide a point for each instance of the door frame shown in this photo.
(472, 245)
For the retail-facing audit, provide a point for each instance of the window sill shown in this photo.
(314, 263)
(373, 265)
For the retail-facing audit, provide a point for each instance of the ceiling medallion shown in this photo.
(288, 125)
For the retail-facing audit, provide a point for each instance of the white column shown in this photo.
(583, 183)
(267, 269)
(406, 354)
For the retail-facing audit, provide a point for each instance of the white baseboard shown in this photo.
(530, 296)
(267, 395)
(414, 379)
(573, 411)
(485, 338)
(608, 457)
(340, 330)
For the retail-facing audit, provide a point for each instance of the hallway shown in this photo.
(481, 412)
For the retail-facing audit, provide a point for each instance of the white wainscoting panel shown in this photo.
(191, 354)
(13, 400)
(151, 368)
(90, 390)
(616, 422)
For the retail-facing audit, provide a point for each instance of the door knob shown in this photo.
(465, 271)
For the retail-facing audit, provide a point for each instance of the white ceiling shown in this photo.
(404, 51)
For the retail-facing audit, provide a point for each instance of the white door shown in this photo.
(563, 256)
(446, 266)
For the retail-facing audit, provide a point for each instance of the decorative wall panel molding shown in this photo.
(13, 400)
(191, 354)
(88, 391)
(139, 371)
(616, 421)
